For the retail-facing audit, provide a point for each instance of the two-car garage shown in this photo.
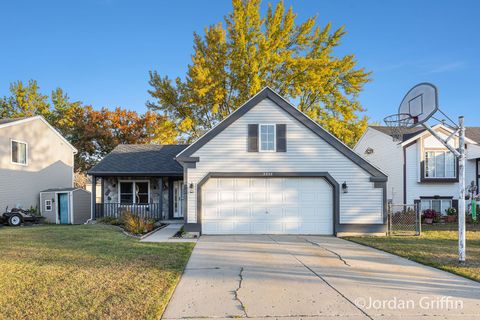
(267, 205)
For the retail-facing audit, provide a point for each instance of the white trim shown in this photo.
(26, 152)
(260, 137)
(426, 132)
(13, 123)
(45, 205)
(70, 199)
(133, 190)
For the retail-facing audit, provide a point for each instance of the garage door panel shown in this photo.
(209, 213)
(258, 196)
(226, 212)
(267, 205)
(275, 197)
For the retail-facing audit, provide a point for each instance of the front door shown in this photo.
(63, 208)
(177, 199)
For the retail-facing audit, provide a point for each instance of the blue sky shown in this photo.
(100, 51)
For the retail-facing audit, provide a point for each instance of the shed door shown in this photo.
(267, 206)
(63, 208)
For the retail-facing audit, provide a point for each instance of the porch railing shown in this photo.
(115, 210)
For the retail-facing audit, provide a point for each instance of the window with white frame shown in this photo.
(48, 205)
(440, 164)
(19, 152)
(439, 205)
(134, 192)
(267, 138)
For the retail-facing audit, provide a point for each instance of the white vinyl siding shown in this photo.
(307, 152)
(388, 156)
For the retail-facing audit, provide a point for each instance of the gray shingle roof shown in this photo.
(471, 132)
(59, 189)
(141, 159)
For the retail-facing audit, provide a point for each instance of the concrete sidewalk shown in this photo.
(164, 234)
(307, 277)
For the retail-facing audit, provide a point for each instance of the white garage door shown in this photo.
(267, 206)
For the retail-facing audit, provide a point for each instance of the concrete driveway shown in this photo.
(306, 277)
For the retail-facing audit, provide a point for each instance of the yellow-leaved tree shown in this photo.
(233, 62)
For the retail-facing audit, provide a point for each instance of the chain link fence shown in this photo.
(404, 219)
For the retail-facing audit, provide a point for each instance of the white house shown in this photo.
(265, 169)
(419, 168)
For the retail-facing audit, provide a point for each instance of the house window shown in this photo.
(267, 138)
(439, 205)
(48, 205)
(440, 164)
(19, 152)
(134, 192)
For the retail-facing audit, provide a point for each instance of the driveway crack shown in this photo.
(331, 251)
(323, 279)
(235, 293)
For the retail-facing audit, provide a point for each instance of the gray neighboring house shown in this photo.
(33, 157)
(265, 169)
(144, 179)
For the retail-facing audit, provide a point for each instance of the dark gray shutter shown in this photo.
(252, 138)
(455, 204)
(281, 137)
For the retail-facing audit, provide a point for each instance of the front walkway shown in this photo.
(306, 277)
(164, 234)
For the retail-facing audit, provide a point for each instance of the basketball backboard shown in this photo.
(421, 102)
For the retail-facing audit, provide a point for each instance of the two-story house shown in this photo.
(33, 157)
(420, 169)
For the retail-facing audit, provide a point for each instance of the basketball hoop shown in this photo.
(399, 123)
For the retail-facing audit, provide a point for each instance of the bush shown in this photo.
(451, 211)
(135, 224)
(429, 214)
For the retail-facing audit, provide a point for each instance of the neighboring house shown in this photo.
(267, 168)
(33, 157)
(419, 168)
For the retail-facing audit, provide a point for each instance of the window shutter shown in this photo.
(455, 204)
(252, 138)
(281, 137)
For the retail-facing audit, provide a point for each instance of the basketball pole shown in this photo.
(461, 200)
(460, 154)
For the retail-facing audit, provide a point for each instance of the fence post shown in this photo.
(389, 219)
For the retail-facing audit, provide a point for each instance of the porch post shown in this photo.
(160, 200)
(94, 197)
(170, 197)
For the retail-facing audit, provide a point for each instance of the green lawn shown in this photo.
(436, 248)
(85, 272)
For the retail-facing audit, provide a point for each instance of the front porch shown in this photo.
(157, 198)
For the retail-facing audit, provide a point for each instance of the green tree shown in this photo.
(232, 63)
(93, 132)
(24, 101)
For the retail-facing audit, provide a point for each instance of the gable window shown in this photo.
(440, 164)
(19, 152)
(134, 192)
(267, 138)
(48, 205)
(439, 205)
